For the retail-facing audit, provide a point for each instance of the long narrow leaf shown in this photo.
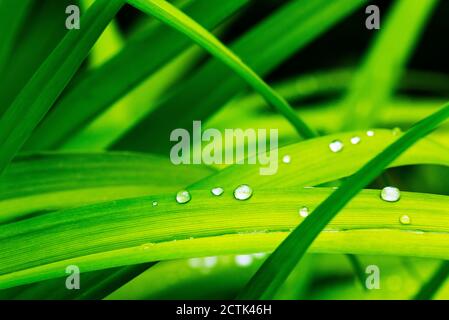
(278, 266)
(46, 85)
(169, 14)
(263, 48)
(132, 231)
(143, 55)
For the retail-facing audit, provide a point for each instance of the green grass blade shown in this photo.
(383, 65)
(46, 85)
(57, 181)
(93, 237)
(431, 287)
(113, 80)
(12, 17)
(22, 66)
(170, 15)
(278, 266)
(263, 48)
(304, 170)
(47, 182)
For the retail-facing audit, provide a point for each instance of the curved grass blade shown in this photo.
(57, 181)
(48, 182)
(51, 182)
(264, 47)
(132, 65)
(43, 89)
(132, 231)
(431, 287)
(276, 269)
(170, 15)
(304, 170)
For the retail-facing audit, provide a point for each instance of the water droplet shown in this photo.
(243, 260)
(355, 140)
(304, 212)
(218, 191)
(155, 203)
(370, 133)
(336, 146)
(405, 219)
(209, 262)
(286, 159)
(183, 196)
(243, 192)
(396, 131)
(390, 194)
(195, 262)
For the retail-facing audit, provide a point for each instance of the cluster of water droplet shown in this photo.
(244, 191)
(337, 145)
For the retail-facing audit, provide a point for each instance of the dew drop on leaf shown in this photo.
(286, 159)
(336, 146)
(243, 192)
(370, 133)
(218, 191)
(304, 212)
(243, 260)
(209, 262)
(155, 203)
(183, 196)
(390, 194)
(355, 140)
(405, 219)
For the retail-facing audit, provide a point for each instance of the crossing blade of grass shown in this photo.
(19, 70)
(170, 15)
(278, 266)
(46, 182)
(431, 287)
(45, 86)
(263, 48)
(385, 62)
(139, 59)
(12, 17)
(133, 231)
